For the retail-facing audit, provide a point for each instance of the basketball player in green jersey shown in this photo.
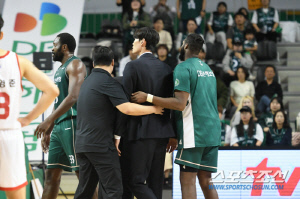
(62, 122)
(197, 119)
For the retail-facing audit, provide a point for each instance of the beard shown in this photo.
(182, 54)
(58, 56)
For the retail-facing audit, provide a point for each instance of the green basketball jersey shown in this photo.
(266, 120)
(238, 35)
(277, 135)
(199, 124)
(246, 140)
(61, 79)
(265, 21)
(220, 22)
(190, 9)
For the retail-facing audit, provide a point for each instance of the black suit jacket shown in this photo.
(150, 75)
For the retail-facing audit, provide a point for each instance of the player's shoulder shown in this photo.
(181, 66)
(76, 60)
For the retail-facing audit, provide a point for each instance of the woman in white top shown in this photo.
(247, 133)
(241, 87)
(246, 101)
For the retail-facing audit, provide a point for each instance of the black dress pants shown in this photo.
(146, 158)
(99, 167)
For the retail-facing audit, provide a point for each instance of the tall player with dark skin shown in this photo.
(179, 102)
(76, 72)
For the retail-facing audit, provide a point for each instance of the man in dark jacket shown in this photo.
(147, 136)
(267, 88)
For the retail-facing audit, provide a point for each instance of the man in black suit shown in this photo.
(99, 99)
(147, 136)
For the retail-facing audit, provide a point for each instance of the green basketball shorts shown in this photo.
(62, 146)
(199, 158)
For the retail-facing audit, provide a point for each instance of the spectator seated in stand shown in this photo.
(225, 129)
(191, 28)
(246, 101)
(250, 44)
(236, 33)
(126, 4)
(190, 9)
(240, 88)
(218, 24)
(280, 134)
(267, 89)
(134, 19)
(233, 60)
(130, 57)
(166, 13)
(246, 14)
(246, 133)
(162, 53)
(164, 36)
(266, 119)
(265, 20)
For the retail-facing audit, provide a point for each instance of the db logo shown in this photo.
(52, 22)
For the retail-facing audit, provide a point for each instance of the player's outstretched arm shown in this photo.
(136, 109)
(175, 103)
(43, 83)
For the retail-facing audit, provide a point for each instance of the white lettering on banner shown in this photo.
(255, 166)
(205, 73)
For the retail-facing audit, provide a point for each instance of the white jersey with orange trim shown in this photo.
(10, 91)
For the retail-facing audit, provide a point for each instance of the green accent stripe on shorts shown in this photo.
(62, 165)
(73, 138)
(200, 165)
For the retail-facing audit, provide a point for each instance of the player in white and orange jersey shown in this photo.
(12, 155)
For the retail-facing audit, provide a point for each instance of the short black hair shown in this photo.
(128, 47)
(102, 56)
(69, 40)
(244, 70)
(222, 3)
(285, 123)
(1, 23)
(158, 18)
(149, 34)
(162, 46)
(243, 8)
(249, 31)
(270, 66)
(239, 13)
(195, 42)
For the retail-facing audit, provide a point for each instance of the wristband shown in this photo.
(149, 98)
(117, 137)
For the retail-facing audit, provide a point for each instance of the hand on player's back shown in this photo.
(159, 110)
(139, 97)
